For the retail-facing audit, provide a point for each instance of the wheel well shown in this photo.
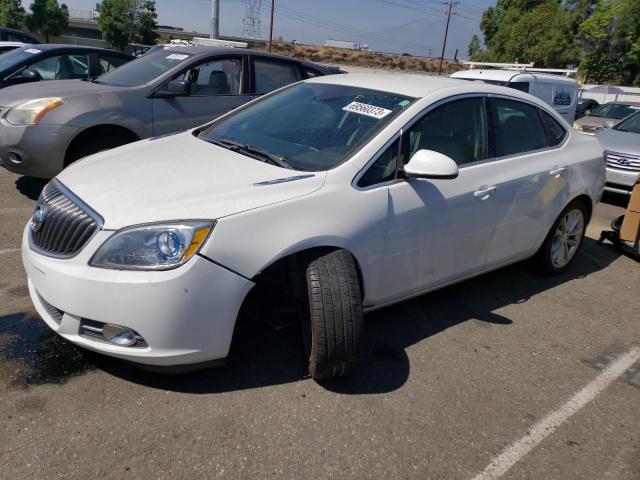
(586, 200)
(281, 288)
(98, 130)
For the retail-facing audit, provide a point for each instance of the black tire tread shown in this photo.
(336, 318)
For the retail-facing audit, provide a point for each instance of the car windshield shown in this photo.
(16, 56)
(144, 69)
(309, 126)
(614, 110)
(631, 124)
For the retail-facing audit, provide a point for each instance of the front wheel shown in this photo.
(333, 330)
(564, 239)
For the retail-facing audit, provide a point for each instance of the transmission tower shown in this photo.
(251, 21)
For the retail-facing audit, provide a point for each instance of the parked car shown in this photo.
(331, 197)
(622, 153)
(585, 106)
(11, 35)
(605, 116)
(34, 63)
(8, 46)
(558, 91)
(46, 127)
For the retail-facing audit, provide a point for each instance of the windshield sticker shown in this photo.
(32, 50)
(404, 103)
(177, 56)
(366, 109)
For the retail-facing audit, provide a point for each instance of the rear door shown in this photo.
(216, 87)
(269, 74)
(535, 177)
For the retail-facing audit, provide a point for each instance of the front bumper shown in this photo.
(40, 148)
(186, 315)
(620, 181)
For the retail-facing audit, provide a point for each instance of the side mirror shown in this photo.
(431, 164)
(175, 88)
(28, 75)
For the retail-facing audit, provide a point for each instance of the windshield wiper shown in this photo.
(253, 152)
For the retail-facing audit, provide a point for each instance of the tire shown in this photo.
(560, 247)
(90, 145)
(333, 331)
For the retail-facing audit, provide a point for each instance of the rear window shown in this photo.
(520, 129)
(555, 131)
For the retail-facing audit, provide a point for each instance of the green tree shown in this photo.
(125, 21)
(146, 23)
(48, 18)
(626, 41)
(11, 14)
(600, 62)
(474, 48)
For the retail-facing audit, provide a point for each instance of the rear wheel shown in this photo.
(333, 330)
(564, 239)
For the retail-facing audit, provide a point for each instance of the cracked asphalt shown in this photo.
(449, 380)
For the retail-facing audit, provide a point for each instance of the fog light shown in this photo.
(120, 336)
(13, 157)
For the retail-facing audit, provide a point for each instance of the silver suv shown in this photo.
(46, 126)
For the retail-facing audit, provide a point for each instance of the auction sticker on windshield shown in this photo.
(366, 109)
(32, 50)
(177, 56)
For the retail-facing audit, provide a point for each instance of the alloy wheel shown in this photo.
(567, 238)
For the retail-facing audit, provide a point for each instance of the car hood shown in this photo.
(620, 142)
(180, 177)
(592, 121)
(17, 94)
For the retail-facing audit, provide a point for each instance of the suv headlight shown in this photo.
(152, 247)
(31, 112)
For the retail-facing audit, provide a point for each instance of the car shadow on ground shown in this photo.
(262, 356)
(30, 187)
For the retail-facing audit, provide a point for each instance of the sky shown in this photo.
(412, 26)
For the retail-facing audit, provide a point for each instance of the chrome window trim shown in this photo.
(80, 203)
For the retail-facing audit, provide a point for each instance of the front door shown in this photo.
(215, 88)
(439, 231)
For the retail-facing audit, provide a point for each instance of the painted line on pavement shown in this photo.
(9, 250)
(545, 427)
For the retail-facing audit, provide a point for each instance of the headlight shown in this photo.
(152, 247)
(576, 126)
(31, 112)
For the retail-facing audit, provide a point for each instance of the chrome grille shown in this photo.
(62, 224)
(623, 161)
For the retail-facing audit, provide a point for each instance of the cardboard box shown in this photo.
(630, 231)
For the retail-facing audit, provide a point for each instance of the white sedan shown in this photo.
(331, 197)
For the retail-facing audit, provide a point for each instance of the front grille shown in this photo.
(61, 226)
(93, 330)
(623, 161)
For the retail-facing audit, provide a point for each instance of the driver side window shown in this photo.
(215, 77)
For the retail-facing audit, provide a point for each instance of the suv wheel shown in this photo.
(333, 330)
(564, 239)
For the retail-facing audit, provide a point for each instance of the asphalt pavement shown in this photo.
(511, 374)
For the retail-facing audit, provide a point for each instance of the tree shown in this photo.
(599, 61)
(11, 14)
(474, 48)
(47, 18)
(126, 21)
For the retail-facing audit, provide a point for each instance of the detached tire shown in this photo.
(334, 329)
(563, 240)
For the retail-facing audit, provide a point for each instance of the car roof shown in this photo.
(4, 43)
(410, 85)
(47, 47)
(208, 50)
(509, 75)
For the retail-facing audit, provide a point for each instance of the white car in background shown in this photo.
(334, 196)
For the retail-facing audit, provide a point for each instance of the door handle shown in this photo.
(556, 172)
(484, 193)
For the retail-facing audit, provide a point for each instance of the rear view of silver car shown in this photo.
(46, 126)
(621, 146)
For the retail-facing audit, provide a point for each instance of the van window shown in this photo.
(518, 128)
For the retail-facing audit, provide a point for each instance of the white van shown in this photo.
(558, 91)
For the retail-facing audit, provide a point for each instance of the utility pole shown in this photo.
(271, 25)
(215, 18)
(451, 3)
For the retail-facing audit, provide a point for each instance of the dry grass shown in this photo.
(341, 56)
